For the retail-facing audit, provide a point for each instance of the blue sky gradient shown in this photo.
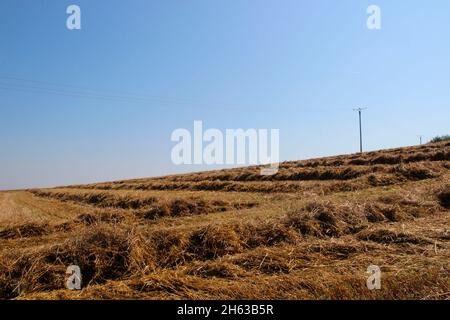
(300, 66)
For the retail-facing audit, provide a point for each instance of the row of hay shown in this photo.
(387, 159)
(101, 251)
(24, 230)
(188, 207)
(320, 219)
(40, 229)
(391, 208)
(250, 174)
(315, 283)
(282, 259)
(113, 252)
(147, 207)
(307, 174)
(438, 152)
(98, 198)
(104, 252)
(341, 180)
(288, 272)
(422, 155)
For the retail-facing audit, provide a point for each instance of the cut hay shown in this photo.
(25, 231)
(444, 197)
(391, 237)
(215, 269)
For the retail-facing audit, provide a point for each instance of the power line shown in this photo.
(360, 128)
(9, 83)
(28, 85)
(76, 93)
(90, 90)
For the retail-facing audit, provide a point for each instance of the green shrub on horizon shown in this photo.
(440, 138)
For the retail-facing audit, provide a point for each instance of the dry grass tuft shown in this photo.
(215, 269)
(100, 216)
(25, 230)
(444, 197)
(390, 237)
(214, 241)
(101, 252)
(170, 248)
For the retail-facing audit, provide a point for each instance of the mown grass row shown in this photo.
(107, 251)
(145, 206)
(316, 181)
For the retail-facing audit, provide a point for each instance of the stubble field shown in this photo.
(308, 232)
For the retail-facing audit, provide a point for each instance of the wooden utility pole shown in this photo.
(360, 128)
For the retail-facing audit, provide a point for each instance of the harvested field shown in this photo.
(308, 232)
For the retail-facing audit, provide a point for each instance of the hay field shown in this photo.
(308, 232)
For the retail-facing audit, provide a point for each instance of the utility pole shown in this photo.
(360, 128)
(420, 139)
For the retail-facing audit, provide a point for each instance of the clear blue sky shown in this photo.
(300, 66)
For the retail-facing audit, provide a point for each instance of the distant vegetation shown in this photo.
(440, 138)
